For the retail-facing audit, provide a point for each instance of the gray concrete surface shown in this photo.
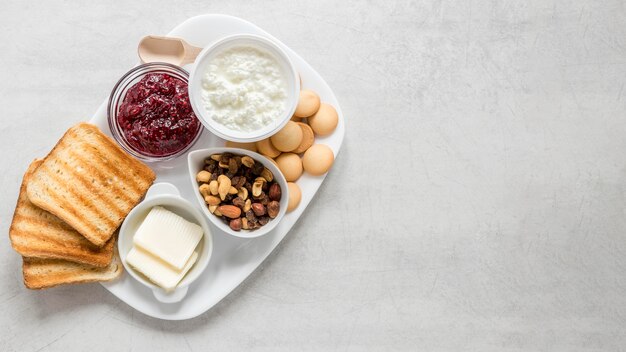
(478, 203)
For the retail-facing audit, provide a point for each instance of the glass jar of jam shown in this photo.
(149, 112)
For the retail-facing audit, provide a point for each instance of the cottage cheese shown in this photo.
(244, 89)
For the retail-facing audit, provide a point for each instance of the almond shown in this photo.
(229, 211)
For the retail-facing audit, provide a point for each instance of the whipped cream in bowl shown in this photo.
(244, 88)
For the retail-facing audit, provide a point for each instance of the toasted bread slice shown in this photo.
(45, 273)
(36, 233)
(89, 182)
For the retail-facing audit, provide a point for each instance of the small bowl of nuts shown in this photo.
(243, 193)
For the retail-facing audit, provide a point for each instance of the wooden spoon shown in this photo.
(175, 51)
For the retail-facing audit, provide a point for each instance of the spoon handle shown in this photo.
(191, 52)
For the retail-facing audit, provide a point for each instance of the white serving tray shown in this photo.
(233, 258)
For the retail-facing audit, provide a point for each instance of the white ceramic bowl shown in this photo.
(167, 196)
(196, 164)
(264, 44)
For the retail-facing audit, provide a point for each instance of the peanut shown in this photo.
(212, 200)
(257, 188)
(223, 186)
(243, 193)
(213, 187)
(267, 175)
(247, 161)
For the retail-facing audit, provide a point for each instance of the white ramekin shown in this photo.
(199, 69)
(166, 195)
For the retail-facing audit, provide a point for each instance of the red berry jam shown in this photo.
(156, 117)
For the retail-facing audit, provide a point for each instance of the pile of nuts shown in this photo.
(239, 190)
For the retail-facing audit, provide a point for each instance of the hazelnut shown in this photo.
(273, 208)
(275, 192)
(258, 209)
(235, 224)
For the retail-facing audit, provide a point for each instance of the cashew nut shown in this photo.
(203, 176)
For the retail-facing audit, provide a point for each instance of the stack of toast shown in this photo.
(70, 206)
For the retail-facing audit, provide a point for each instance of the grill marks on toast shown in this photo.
(120, 178)
(89, 182)
(37, 233)
(71, 201)
(116, 188)
(110, 211)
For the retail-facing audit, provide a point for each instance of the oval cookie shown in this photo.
(307, 138)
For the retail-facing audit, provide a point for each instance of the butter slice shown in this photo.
(168, 237)
(156, 270)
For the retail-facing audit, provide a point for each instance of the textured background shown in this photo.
(477, 204)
